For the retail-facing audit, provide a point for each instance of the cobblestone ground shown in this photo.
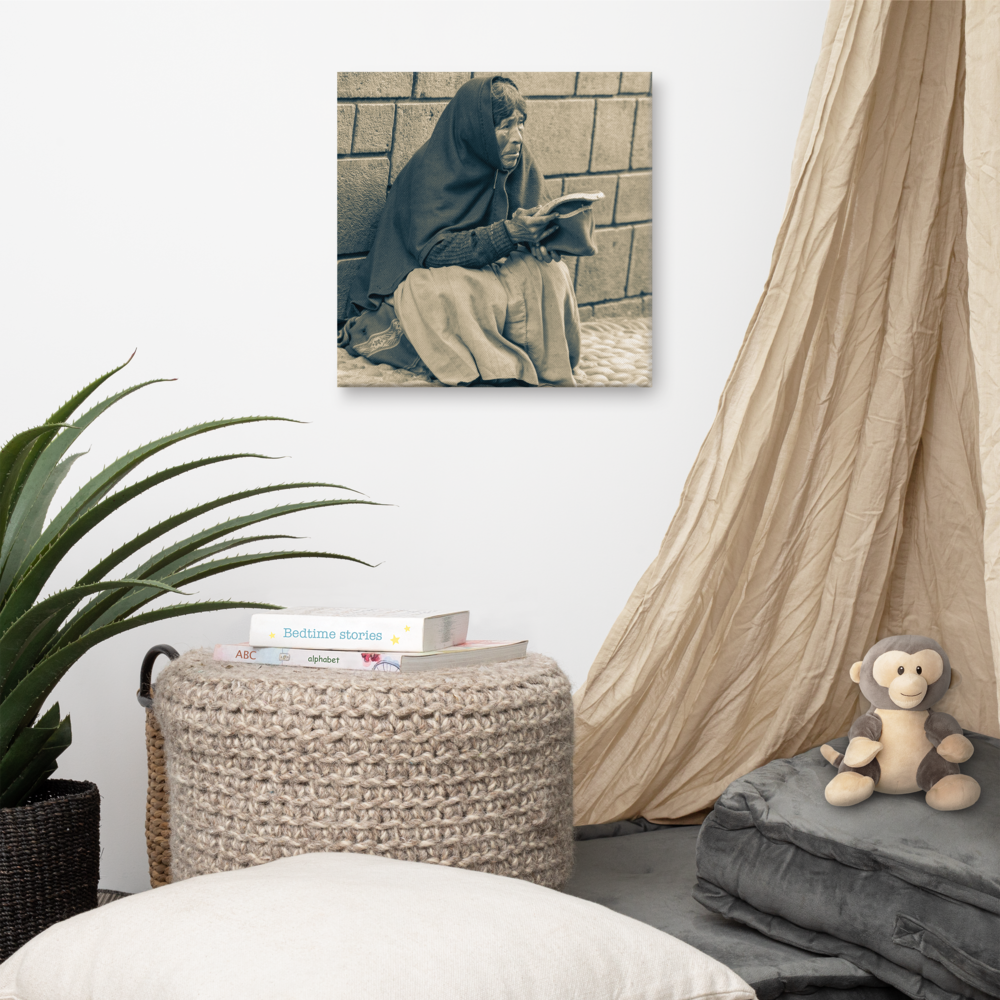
(612, 353)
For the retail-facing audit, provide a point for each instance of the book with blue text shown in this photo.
(359, 628)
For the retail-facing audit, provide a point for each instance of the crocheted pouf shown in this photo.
(467, 766)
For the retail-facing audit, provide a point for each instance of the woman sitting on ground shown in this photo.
(458, 283)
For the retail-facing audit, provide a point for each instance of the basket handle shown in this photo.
(145, 693)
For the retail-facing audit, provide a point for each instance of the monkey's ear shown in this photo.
(956, 679)
(856, 671)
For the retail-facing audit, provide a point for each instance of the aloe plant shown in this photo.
(40, 639)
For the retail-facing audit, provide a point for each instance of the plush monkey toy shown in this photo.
(900, 745)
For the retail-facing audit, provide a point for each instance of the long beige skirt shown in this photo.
(514, 320)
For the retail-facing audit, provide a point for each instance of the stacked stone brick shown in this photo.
(589, 132)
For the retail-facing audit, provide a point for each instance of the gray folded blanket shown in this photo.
(647, 871)
(906, 893)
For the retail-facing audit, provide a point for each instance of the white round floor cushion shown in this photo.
(359, 927)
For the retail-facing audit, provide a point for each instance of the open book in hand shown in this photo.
(576, 223)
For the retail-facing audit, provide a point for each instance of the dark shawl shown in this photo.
(452, 183)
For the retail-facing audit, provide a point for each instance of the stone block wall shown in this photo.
(589, 132)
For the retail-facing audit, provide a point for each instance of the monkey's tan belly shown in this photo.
(904, 745)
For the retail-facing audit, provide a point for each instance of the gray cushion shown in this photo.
(906, 893)
(647, 872)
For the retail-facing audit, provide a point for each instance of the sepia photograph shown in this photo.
(314, 693)
(494, 229)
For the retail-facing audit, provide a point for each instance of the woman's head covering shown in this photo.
(506, 99)
(452, 183)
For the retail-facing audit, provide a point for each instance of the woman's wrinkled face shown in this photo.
(510, 135)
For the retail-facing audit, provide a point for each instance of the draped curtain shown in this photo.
(849, 487)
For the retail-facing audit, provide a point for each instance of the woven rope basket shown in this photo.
(470, 767)
(157, 805)
(157, 801)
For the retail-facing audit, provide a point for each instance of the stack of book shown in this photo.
(366, 639)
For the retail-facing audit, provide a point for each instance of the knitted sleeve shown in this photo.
(473, 247)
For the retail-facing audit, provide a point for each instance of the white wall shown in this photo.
(167, 183)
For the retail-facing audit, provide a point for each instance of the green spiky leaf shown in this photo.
(33, 764)
(13, 479)
(138, 597)
(26, 637)
(119, 555)
(180, 554)
(35, 482)
(41, 638)
(19, 708)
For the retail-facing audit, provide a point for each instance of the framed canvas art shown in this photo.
(494, 229)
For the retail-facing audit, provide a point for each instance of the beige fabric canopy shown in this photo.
(849, 488)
